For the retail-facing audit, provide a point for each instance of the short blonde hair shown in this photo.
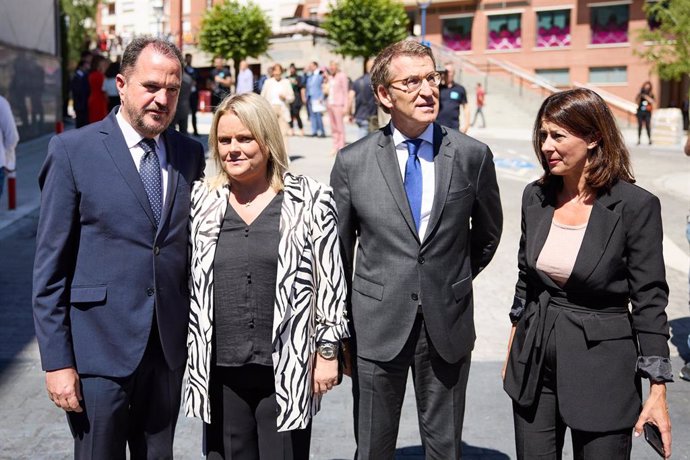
(258, 117)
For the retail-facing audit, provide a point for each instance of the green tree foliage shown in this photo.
(78, 18)
(668, 46)
(235, 31)
(77, 29)
(362, 28)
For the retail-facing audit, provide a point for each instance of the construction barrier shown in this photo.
(667, 127)
(205, 101)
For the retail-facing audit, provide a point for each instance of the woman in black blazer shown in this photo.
(590, 247)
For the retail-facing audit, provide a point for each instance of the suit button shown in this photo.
(414, 296)
(156, 250)
(420, 259)
(150, 292)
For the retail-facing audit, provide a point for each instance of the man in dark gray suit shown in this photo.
(422, 202)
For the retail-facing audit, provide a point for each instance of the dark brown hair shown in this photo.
(583, 113)
(136, 46)
(380, 71)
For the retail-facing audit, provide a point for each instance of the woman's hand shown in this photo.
(655, 411)
(325, 375)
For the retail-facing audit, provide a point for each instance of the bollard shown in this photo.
(59, 127)
(12, 190)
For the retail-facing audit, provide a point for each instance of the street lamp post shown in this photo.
(423, 5)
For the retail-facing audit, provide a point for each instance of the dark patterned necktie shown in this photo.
(413, 180)
(150, 171)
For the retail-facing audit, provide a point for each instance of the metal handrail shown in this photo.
(524, 74)
(611, 99)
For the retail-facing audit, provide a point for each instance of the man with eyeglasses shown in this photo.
(423, 205)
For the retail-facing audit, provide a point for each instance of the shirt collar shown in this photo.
(399, 138)
(132, 137)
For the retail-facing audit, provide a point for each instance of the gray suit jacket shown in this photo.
(396, 271)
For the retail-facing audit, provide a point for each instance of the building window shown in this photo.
(556, 77)
(604, 75)
(505, 32)
(609, 24)
(553, 29)
(457, 33)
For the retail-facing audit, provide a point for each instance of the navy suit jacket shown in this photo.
(102, 266)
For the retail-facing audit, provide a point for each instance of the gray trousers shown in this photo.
(379, 390)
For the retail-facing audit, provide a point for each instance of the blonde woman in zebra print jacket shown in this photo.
(308, 302)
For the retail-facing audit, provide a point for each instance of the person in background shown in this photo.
(315, 99)
(221, 81)
(645, 103)
(110, 296)
(337, 101)
(362, 106)
(452, 98)
(110, 85)
(98, 99)
(268, 294)
(9, 138)
(296, 105)
(181, 119)
(590, 246)
(79, 86)
(421, 205)
(193, 92)
(278, 92)
(245, 79)
(480, 105)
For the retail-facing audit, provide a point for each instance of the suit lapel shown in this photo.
(390, 169)
(443, 173)
(538, 217)
(293, 215)
(602, 223)
(119, 152)
(172, 152)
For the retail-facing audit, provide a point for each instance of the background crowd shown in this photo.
(318, 92)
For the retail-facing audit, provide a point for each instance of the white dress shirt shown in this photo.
(132, 138)
(426, 160)
(8, 135)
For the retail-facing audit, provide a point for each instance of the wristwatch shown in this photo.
(327, 350)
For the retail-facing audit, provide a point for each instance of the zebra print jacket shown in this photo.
(309, 300)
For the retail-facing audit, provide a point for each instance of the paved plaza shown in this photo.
(31, 427)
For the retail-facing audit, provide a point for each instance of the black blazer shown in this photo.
(395, 270)
(598, 337)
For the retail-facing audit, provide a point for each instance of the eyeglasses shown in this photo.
(414, 83)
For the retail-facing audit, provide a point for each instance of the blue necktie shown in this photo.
(413, 180)
(150, 171)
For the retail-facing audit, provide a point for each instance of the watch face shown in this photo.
(327, 351)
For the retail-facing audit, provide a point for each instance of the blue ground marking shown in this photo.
(513, 163)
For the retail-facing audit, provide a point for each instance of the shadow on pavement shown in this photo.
(680, 328)
(468, 453)
(17, 245)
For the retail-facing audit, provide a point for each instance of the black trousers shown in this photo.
(140, 410)
(644, 118)
(379, 390)
(540, 430)
(244, 416)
